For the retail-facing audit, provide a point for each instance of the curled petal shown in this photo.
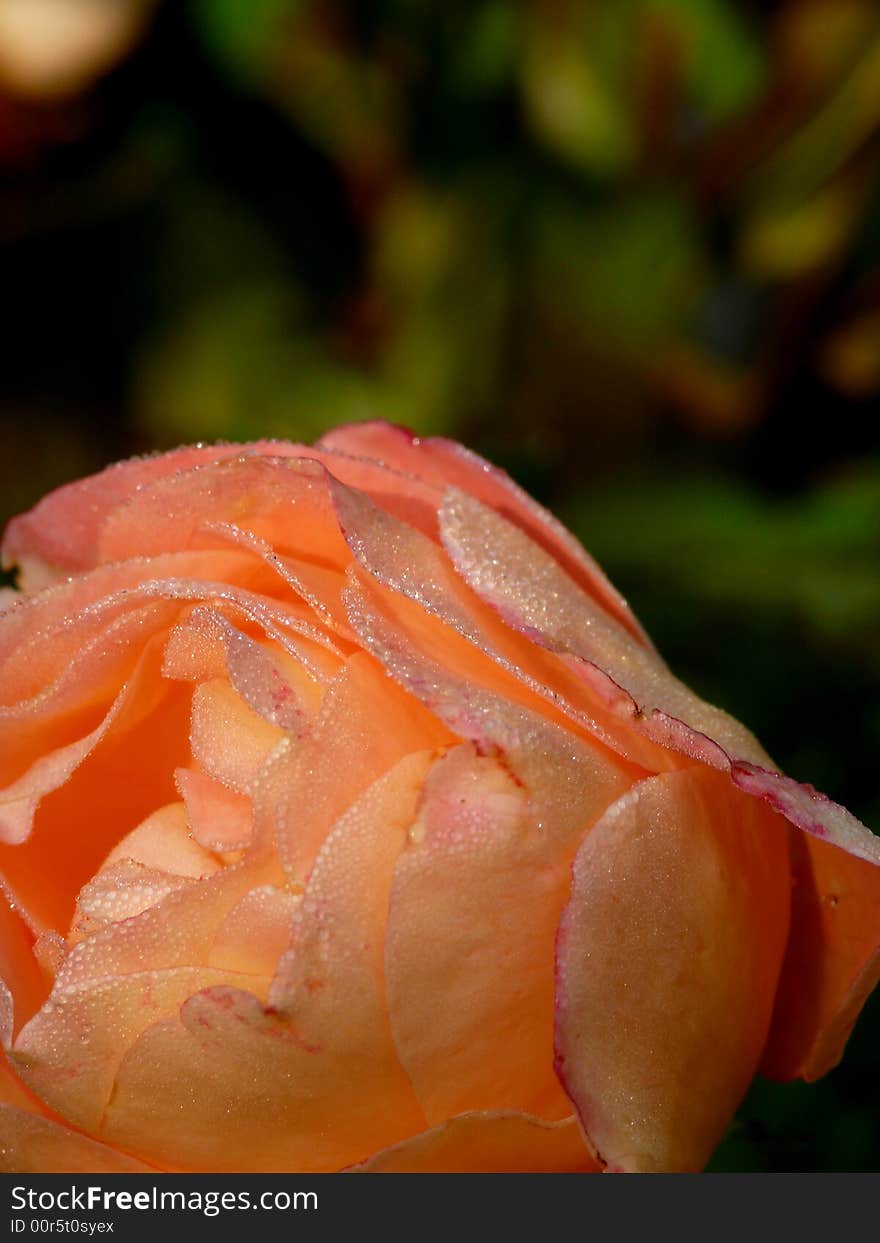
(533, 593)
(668, 958)
(81, 804)
(219, 818)
(833, 959)
(444, 463)
(60, 535)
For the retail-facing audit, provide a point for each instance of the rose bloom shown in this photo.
(351, 821)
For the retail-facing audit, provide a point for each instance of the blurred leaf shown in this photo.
(725, 67)
(486, 56)
(239, 33)
(342, 99)
(570, 97)
(441, 278)
(814, 559)
(626, 271)
(783, 240)
(831, 136)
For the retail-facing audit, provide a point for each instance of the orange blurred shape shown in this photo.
(850, 358)
(50, 49)
(715, 397)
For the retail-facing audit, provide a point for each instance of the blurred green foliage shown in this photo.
(630, 249)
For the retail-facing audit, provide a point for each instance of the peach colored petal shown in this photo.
(195, 651)
(417, 646)
(68, 1054)
(259, 1085)
(256, 932)
(119, 892)
(32, 1145)
(63, 717)
(79, 699)
(445, 463)
(402, 560)
(283, 501)
(535, 597)
(13, 1091)
(472, 922)
(219, 818)
(19, 972)
(410, 498)
(364, 727)
(178, 931)
(668, 959)
(39, 635)
(230, 740)
(484, 1031)
(807, 809)
(124, 772)
(488, 1143)
(49, 949)
(267, 677)
(832, 962)
(318, 585)
(61, 533)
(533, 593)
(163, 842)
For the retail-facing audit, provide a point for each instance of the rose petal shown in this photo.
(445, 463)
(668, 958)
(163, 842)
(32, 1145)
(511, 823)
(402, 560)
(833, 959)
(13, 1092)
(219, 818)
(470, 996)
(19, 973)
(75, 704)
(365, 726)
(488, 1143)
(176, 932)
(283, 500)
(534, 594)
(229, 739)
(117, 893)
(40, 635)
(60, 534)
(256, 932)
(117, 776)
(258, 1085)
(317, 585)
(69, 1052)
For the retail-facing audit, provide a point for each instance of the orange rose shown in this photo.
(349, 819)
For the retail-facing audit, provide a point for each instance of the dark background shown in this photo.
(629, 249)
